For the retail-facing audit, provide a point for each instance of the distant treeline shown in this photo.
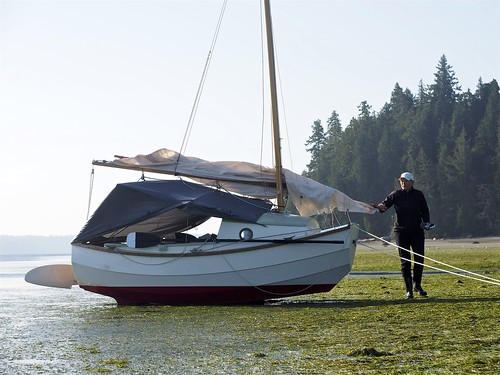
(449, 139)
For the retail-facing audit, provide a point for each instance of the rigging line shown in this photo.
(348, 216)
(262, 124)
(91, 188)
(483, 277)
(263, 90)
(200, 87)
(263, 64)
(440, 269)
(239, 197)
(283, 106)
(334, 215)
(153, 178)
(129, 258)
(239, 273)
(142, 178)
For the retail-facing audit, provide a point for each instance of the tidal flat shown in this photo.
(362, 326)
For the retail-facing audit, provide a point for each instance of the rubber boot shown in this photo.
(420, 290)
(417, 280)
(409, 287)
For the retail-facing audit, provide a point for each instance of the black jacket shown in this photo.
(411, 209)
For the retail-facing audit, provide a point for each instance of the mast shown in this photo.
(274, 107)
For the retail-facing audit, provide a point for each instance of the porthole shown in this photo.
(246, 234)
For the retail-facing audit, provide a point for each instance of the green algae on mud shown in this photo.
(362, 326)
(450, 332)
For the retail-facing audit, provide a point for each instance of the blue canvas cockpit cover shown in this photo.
(165, 207)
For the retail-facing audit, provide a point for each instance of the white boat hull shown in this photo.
(217, 273)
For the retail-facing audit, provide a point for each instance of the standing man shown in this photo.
(412, 217)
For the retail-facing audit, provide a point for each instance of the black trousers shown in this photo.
(414, 240)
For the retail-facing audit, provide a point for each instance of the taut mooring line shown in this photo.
(479, 277)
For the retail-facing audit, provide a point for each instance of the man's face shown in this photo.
(405, 184)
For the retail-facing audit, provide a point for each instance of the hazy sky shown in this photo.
(84, 80)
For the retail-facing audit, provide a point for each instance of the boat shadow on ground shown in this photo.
(346, 304)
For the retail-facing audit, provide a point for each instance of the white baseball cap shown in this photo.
(407, 176)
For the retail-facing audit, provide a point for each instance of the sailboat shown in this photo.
(138, 248)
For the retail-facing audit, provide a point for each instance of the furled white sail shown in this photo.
(309, 196)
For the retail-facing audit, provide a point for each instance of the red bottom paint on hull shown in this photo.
(203, 295)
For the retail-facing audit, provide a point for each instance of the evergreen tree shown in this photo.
(423, 95)
(457, 207)
(394, 119)
(449, 139)
(363, 149)
(443, 95)
(330, 163)
(497, 180)
(484, 160)
(391, 123)
(314, 144)
(454, 168)
(445, 87)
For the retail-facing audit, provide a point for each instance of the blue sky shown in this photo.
(84, 80)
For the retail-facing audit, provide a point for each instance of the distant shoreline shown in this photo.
(35, 245)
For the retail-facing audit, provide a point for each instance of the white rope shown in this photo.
(260, 289)
(439, 269)
(201, 85)
(465, 273)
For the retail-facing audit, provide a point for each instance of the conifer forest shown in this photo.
(447, 137)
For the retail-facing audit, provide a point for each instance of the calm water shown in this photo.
(71, 331)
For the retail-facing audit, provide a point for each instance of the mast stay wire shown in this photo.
(283, 108)
(263, 96)
(204, 74)
(465, 273)
(262, 78)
